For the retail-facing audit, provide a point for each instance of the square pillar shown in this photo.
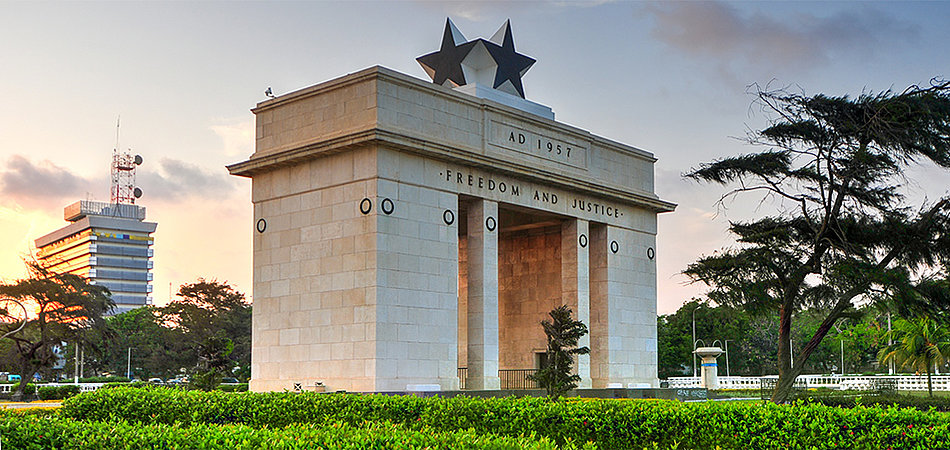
(575, 284)
(483, 296)
(599, 330)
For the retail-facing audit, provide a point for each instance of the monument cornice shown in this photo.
(398, 78)
(430, 148)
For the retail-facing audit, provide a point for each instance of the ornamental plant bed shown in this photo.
(19, 431)
(610, 424)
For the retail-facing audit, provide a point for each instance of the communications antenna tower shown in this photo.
(123, 189)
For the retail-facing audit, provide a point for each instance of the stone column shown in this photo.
(599, 330)
(483, 296)
(575, 284)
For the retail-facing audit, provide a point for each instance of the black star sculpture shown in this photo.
(455, 54)
(511, 64)
(446, 64)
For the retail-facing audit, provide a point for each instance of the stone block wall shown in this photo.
(314, 276)
(529, 285)
(417, 293)
(622, 307)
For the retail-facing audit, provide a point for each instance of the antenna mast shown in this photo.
(123, 189)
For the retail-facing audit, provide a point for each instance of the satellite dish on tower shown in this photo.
(138, 160)
(137, 193)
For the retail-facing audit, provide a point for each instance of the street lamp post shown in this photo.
(694, 340)
(128, 365)
(842, 357)
(727, 356)
(890, 342)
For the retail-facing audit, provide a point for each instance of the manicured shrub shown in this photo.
(613, 424)
(57, 392)
(37, 432)
(133, 384)
(28, 394)
(903, 401)
(240, 387)
(112, 379)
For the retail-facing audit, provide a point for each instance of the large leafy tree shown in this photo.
(753, 340)
(61, 308)
(210, 323)
(843, 231)
(137, 338)
(919, 344)
(207, 327)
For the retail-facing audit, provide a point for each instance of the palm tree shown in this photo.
(919, 344)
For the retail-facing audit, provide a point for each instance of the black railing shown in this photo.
(517, 379)
(510, 378)
(463, 377)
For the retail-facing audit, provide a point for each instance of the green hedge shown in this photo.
(29, 393)
(903, 401)
(134, 384)
(240, 387)
(57, 392)
(30, 432)
(613, 424)
(112, 379)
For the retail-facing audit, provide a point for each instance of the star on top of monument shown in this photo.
(510, 65)
(492, 62)
(445, 65)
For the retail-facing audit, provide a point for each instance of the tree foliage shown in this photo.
(563, 334)
(753, 340)
(61, 308)
(920, 344)
(207, 328)
(212, 323)
(139, 339)
(844, 232)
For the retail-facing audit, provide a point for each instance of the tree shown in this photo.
(843, 232)
(674, 336)
(211, 326)
(154, 351)
(563, 333)
(919, 345)
(62, 308)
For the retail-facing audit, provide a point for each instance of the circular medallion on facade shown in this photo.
(261, 225)
(582, 240)
(387, 206)
(366, 205)
(614, 246)
(448, 217)
(651, 253)
(490, 223)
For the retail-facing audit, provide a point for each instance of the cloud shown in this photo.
(718, 30)
(491, 10)
(44, 185)
(40, 184)
(237, 136)
(175, 180)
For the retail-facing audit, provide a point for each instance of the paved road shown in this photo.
(11, 405)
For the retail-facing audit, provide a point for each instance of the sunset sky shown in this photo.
(670, 78)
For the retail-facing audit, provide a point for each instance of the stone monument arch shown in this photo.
(410, 232)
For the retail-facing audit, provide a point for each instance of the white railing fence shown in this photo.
(83, 387)
(846, 382)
